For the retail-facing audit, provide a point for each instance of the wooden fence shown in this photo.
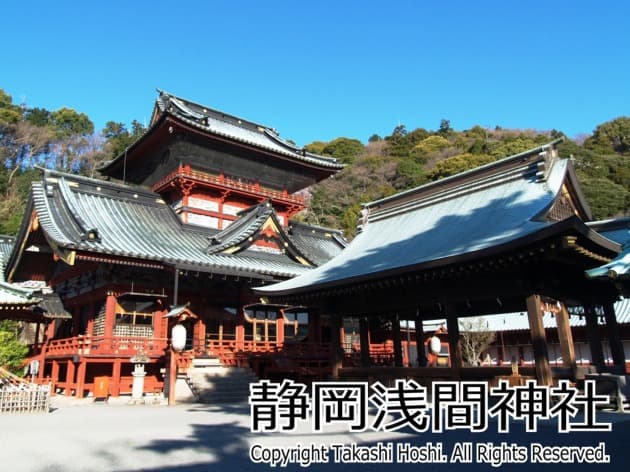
(19, 396)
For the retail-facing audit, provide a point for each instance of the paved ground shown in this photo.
(83, 436)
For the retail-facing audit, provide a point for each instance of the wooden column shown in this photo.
(114, 387)
(336, 352)
(81, 379)
(280, 328)
(452, 327)
(54, 375)
(364, 339)
(90, 324)
(50, 331)
(172, 376)
(110, 315)
(398, 357)
(616, 346)
(70, 370)
(199, 330)
(539, 340)
(314, 327)
(565, 336)
(240, 330)
(594, 339)
(422, 355)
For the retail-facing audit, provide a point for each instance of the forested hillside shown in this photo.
(66, 140)
(406, 159)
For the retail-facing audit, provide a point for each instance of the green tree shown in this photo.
(345, 149)
(12, 351)
(611, 137)
(456, 164)
(445, 128)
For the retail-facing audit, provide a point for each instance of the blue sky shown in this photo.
(316, 70)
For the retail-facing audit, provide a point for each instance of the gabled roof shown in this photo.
(475, 213)
(86, 218)
(218, 123)
(261, 221)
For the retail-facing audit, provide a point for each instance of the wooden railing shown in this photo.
(116, 345)
(253, 189)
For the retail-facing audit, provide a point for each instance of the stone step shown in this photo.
(218, 384)
(201, 362)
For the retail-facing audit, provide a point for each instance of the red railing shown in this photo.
(89, 345)
(221, 180)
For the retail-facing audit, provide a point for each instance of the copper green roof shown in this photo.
(79, 215)
(457, 219)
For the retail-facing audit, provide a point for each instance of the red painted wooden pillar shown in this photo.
(70, 370)
(110, 315)
(200, 336)
(90, 324)
(240, 330)
(54, 375)
(81, 378)
(114, 387)
(280, 329)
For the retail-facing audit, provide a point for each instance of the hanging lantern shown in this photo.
(435, 345)
(178, 337)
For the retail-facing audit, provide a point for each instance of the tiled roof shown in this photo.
(6, 247)
(618, 267)
(481, 209)
(238, 129)
(12, 295)
(319, 244)
(617, 230)
(98, 217)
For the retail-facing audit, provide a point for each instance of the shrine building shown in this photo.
(178, 230)
(511, 236)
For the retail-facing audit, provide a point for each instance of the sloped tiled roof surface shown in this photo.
(95, 216)
(617, 230)
(13, 295)
(238, 129)
(319, 244)
(480, 209)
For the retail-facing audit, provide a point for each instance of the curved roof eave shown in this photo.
(293, 287)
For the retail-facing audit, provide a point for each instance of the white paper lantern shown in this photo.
(178, 337)
(435, 345)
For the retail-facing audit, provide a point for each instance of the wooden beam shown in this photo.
(565, 336)
(539, 340)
